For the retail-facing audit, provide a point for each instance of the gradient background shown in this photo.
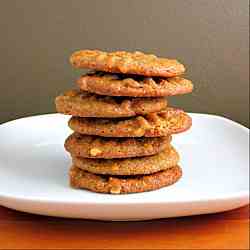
(210, 37)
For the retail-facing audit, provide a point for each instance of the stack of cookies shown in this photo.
(122, 123)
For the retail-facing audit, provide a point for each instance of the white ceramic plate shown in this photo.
(34, 166)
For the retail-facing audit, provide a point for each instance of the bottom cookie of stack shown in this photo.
(123, 184)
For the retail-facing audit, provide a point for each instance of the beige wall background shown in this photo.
(211, 37)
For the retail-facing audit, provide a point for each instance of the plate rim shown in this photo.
(244, 194)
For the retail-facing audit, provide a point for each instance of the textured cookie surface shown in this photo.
(133, 85)
(130, 166)
(122, 185)
(126, 63)
(169, 121)
(103, 147)
(84, 104)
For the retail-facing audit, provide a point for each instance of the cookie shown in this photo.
(126, 63)
(129, 166)
(103, 147)
(133, 85)
(123, 184)
(84, 104)
(169, 121)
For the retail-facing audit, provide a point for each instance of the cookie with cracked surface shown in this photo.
(90, 146)
(129, 166)
(126, 63)
(84, 104)
(123, 184)
(133, 85)
(163, 123)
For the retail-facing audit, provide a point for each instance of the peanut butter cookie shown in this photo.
(103, 147)
(133, 85)
(126, 63)
(84, 104)
(129, 166)
(123, 184)
(163, 123)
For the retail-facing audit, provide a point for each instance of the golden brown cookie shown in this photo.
(130, 166)
(123, 184)
(126, 63)
(84, 104)
(91, 146)
(169, 121)
(133, 85)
